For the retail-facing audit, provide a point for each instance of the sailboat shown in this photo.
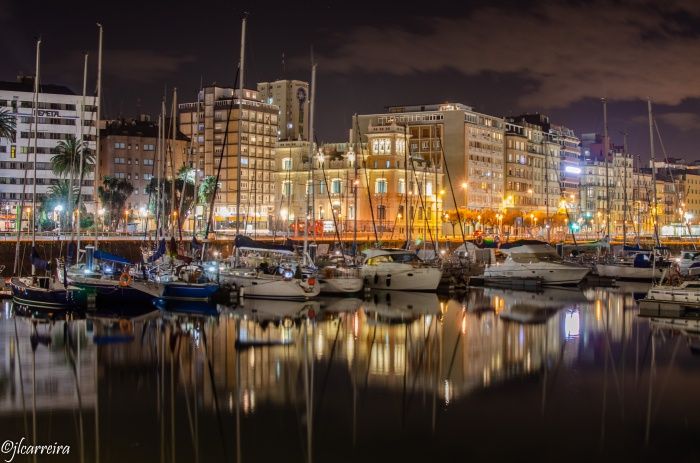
(636, 264)
(38, 291)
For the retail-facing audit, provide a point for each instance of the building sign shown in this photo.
(46, 113)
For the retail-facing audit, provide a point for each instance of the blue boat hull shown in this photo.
(190, 308)
(109, 295)
(51, 299)
(183, 292)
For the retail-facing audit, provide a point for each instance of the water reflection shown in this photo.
(350, 374)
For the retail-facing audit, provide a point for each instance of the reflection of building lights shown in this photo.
(448, 392)
(572, 324)
(464, 324)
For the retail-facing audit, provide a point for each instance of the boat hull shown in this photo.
(111, 294)
(255, 287)
(414, 279)
(554, 276)
(40, 298)
(192, 292)
(628, 272)
(341, 285)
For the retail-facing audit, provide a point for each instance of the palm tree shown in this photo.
(182, 182)
(113, 195)
(207, 189)
(7, 124)
(67, 161)
(58, 195)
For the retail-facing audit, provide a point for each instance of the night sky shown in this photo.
(502, 58)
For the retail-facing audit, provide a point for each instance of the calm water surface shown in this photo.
(496, 375)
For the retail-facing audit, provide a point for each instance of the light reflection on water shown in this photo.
(398, 375)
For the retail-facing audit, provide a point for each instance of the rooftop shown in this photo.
(137, 128)
(26, 84)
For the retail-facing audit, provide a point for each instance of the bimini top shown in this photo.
(369, 253)
(533, 253)
(243, 242)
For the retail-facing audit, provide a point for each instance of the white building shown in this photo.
(59, 113)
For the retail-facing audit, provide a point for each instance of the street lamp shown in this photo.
(57, 216)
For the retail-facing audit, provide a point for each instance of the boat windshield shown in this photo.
(526, 257)
(404, 258)
(690, 255)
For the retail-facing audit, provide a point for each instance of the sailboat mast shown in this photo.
(405, 179)
(241, 82)
(624, 195)
(655, 214)
(310, 194)
(97, 129)
(174, 217)
(35, 135)
(83, 147)
(606, 151)
(355, 184)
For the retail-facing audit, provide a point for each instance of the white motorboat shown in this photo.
(398, 269)
(689, 263)
(537, 261)
(687, 294)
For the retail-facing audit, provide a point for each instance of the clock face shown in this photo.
(301, 95)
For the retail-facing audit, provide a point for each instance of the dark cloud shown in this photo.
(684, 121)
(625, 50)
(143, 65)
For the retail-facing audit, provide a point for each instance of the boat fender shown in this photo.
(125, 326)
(311, 281)
(125, 279)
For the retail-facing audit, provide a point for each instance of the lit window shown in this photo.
(287, 164)
(402, 187)
(287, 188)
(336, 186)
(380, 186)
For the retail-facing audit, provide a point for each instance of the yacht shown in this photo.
(398, 269)
(689, 263)
(685, 295)
(539, 261)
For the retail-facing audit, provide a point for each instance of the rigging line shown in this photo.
(679, 196)
(221, 158)
(313, 192)
(562, 195)
(369, 195)
(420, 193)
(452, 192)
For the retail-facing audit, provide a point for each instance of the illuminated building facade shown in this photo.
(59, 115)
(255, 127)
(292, 99)
(472, 144)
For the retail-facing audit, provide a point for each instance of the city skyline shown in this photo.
(528, 65)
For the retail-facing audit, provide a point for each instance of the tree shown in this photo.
(207, 189)
(113, 195)
(57, 197)
(7, 124)
(67, 160)
(183, 183)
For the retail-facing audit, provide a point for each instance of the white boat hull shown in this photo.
(341, 285)
(401, 279)
(628, 272)
(271, 288)
(550, 274)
